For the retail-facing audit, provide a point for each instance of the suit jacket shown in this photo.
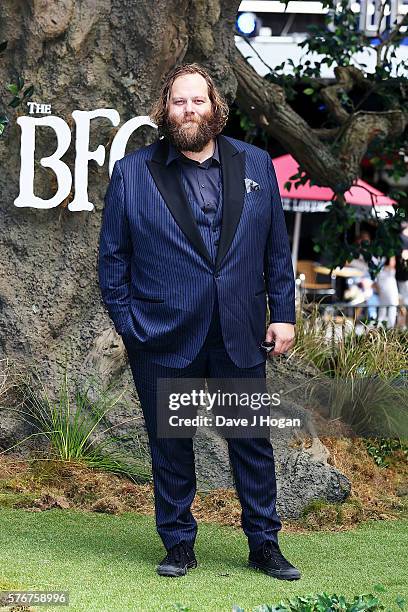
(156, 276)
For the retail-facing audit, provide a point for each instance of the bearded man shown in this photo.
(193, 240)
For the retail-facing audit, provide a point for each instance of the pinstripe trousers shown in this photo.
(173, 466)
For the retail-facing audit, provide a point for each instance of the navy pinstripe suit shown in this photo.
(184, 309)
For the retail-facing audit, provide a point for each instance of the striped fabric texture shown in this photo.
(157, 276)
(173, 461)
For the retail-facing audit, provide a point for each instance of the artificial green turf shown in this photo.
(107, 563)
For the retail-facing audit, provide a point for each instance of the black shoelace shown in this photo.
(270, 551)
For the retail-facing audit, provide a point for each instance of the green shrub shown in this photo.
(323, 602)
(381, 449)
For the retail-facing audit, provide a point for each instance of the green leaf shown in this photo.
(309, 91)
(28, 92)
(15, 102)
(3, 122)
(12, 88)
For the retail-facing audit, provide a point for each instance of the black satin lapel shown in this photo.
(172, 191)
(233, 178)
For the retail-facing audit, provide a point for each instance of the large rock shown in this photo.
(14, 429)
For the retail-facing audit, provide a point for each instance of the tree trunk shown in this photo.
(83, 55)
(114, 54)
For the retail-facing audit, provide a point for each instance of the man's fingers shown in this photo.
(281, 346)
(283, 334)
(278, 348)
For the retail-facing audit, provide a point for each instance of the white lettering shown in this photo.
(28, 124)
(83, 154)
(26, 196)
(35, 107)
(120, 141)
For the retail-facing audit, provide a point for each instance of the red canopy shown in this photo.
(362, 194)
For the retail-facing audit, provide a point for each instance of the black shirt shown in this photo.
(204, 179)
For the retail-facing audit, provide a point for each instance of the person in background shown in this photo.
(387, 299)
(388, 292)
(402, 264)
(365, 283)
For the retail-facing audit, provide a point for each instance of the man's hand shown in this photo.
(284, 336)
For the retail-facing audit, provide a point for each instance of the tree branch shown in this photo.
(334, 166)
(266, 104)
(362, 129)
(346, 78)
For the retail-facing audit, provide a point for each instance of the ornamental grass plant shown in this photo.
(363, 378)
(73, 422)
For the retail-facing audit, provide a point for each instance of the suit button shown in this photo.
(217, 275)
(216, 243)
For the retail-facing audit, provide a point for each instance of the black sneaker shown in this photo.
(178, 560)
(269, 559)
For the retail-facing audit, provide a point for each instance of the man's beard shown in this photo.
(187, 138)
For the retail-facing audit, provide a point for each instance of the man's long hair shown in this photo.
(159, 111)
